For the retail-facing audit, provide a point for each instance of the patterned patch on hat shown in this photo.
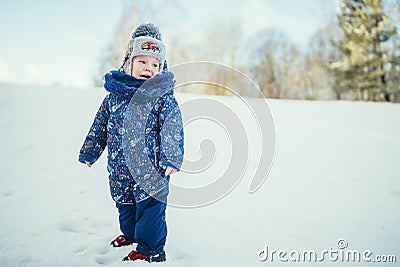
(151, 46)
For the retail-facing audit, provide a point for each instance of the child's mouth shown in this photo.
(145, 76)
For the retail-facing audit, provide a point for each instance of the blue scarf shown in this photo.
(125, 86)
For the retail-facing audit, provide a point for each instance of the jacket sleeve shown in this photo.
(96, 139)
(172, 135)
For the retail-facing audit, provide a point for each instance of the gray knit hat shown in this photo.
(148, 46)
(146, 40)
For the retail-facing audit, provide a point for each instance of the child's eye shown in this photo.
(142, 61)
(155, 65)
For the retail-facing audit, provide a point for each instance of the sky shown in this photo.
(61, 42)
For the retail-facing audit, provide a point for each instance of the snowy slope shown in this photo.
(335, 175)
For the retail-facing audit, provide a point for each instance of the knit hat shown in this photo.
(146, 40)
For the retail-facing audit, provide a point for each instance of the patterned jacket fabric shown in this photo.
(141, 123)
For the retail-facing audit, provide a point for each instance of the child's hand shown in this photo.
(88, 164)
(169, 170)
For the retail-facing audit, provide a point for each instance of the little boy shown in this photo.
(139, 175)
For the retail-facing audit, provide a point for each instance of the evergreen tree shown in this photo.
(393, 9)
(365, 55)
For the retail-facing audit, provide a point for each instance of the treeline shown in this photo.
(354, 56)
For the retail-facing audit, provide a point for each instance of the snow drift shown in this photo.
(335, 176)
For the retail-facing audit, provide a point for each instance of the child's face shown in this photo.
(145, 67)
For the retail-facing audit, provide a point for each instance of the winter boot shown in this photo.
(134, 255)
(120, 241)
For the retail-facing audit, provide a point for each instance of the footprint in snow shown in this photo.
(101, 249)
(68, 226)
(80, 249)
(103, 260)
(8, 193)
(179, 255)
(28, 261)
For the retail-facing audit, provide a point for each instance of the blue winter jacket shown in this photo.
(141, 123)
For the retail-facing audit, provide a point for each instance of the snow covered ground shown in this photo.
(335, 176)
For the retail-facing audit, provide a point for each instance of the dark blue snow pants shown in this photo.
(144, 223)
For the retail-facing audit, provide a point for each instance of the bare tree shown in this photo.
(220, 44)
(277, 66)
(114, 53)
(321, 52)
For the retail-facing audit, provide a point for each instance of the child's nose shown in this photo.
(147, 67)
